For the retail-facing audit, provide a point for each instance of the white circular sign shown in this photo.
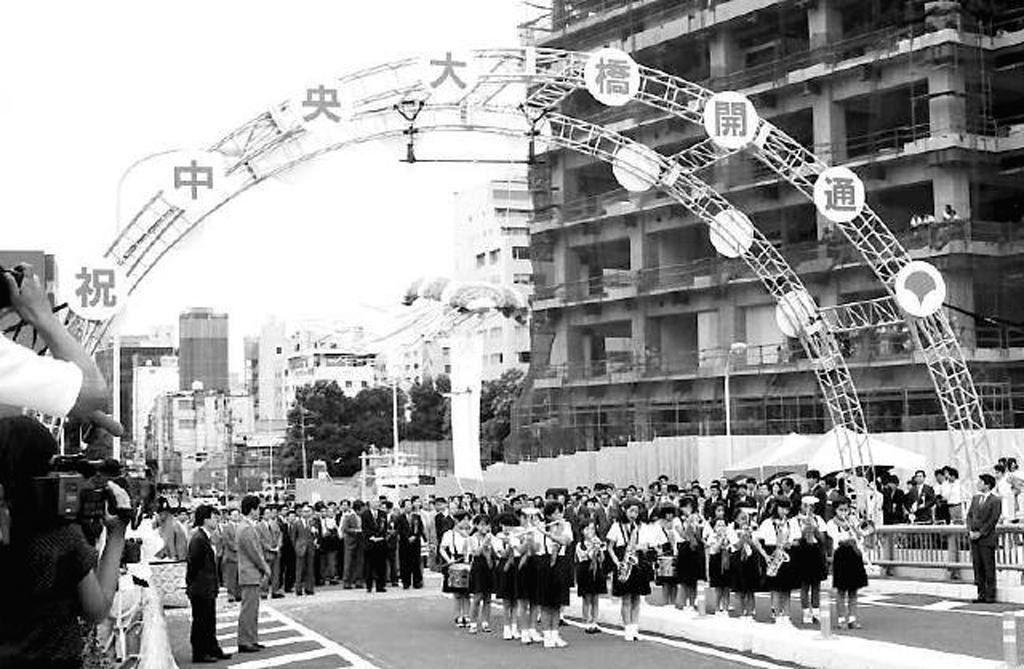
(94, 288)
(194, 178)
(920, 289)
(449, 75)
(795, 312)
(839, 195)
(731, 232)
(731, 120)
(612, 77)
(636, 167)
(322, 106)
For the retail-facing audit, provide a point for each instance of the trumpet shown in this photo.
(810, 529)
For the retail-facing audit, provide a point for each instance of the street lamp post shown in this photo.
(302, 428)
(737, 348)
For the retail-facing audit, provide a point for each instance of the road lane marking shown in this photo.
(694, 648)
(282, 660)
(357, 661)
(268, 630)
(912, 607)
(273, 643)
(228, 624)
(944, 605)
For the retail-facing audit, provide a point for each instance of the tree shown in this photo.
(338, 428)
(430, 420)
(496, 400)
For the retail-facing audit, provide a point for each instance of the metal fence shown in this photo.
(941, 551)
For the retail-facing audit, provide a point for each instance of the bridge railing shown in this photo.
(941, 552)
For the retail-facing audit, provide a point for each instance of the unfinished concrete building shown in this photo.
(637, 321)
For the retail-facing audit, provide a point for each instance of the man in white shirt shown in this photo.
(69, 383)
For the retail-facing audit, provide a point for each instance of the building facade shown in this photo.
(338, 356)
(271, 403)
(203, 350)
(135, 352)
(637, 320)
(492, 244)
(150, 382)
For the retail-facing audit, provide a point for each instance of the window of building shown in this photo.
(184, 405)
(495, 255)
(201, 457)
(365, 384)
(524, 357)
(522, 279)
(186, 424)
(481, 258)
(447, 369)
(348, 384)
(521, 252)
(279, 351)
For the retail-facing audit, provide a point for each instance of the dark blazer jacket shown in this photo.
(303, 537)
(410, 530)
(442, 524)
(201, 568)
(375, 524)
(983, 517)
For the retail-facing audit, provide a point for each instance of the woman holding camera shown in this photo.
(52, 580)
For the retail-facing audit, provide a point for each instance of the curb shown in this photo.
(796, 646)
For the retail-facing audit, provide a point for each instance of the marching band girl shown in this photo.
(591, 575)
(454, 552)
(505, 568)
(481, 576)
(777, 540)
(746, 561)
(808, 555)
(718, 537)
(848, 573)
(554, 573)
(530, 543)
(664, 540)
(631, 580)
(691, 560)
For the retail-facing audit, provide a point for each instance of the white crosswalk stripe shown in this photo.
(272, 621)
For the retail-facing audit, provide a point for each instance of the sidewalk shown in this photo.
(1013, 594)
(801, 646)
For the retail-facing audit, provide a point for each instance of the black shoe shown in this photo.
(204, 659)
(277, 595)
(260, 646)
(221, 655)
(248, 649)
(979, 600)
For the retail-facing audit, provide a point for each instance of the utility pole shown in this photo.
(394, 421)
(302, 428)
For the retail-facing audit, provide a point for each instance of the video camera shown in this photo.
(76, 490)
(5, 295)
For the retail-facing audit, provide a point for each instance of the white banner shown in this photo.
(467, 372)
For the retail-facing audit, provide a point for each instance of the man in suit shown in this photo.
(443, 522)
(375, 532)
(304, 540)
(270, 541)
(982, 518)
(411, 535)
(392, 557)
(920, 500)
(351, 534)
(229, 544)
(893, 511)
(201, 587)
(253, 570)
(285, 521)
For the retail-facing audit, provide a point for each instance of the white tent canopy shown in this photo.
(795, 454)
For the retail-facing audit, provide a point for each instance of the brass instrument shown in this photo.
(780, 555)
(690, 528)
(595, 548)
(810, 529)
(630, 558)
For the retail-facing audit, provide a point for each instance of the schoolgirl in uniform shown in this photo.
(481, 573)
(777, 540)
(848, 573)
(690, 560)
(808, 556)
(719, 536)
(454, 549)
(505, 569)
(664, 541)
(530, 543)
(591, 573)
(554, 572)
(746, 561)
(631, 579)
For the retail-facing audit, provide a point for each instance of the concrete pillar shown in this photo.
(638, 334)
(567, 263)
(824, 23)
(960, 291)
(724, 54)
(947, 101)
(829, 136)
(637, 244)
(951, 186)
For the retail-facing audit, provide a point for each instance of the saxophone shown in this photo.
(630, 559)
(780, 556)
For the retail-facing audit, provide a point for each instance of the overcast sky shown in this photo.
(87, 88)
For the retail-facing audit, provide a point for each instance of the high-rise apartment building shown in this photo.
(635, 314)
(203, 350)
(492, 244)
(136, 352)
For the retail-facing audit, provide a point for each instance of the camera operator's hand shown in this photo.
(122, 504)
(29, 299)
(100, 426)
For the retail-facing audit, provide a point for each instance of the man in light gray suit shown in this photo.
(253, 570)
(271, 539)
